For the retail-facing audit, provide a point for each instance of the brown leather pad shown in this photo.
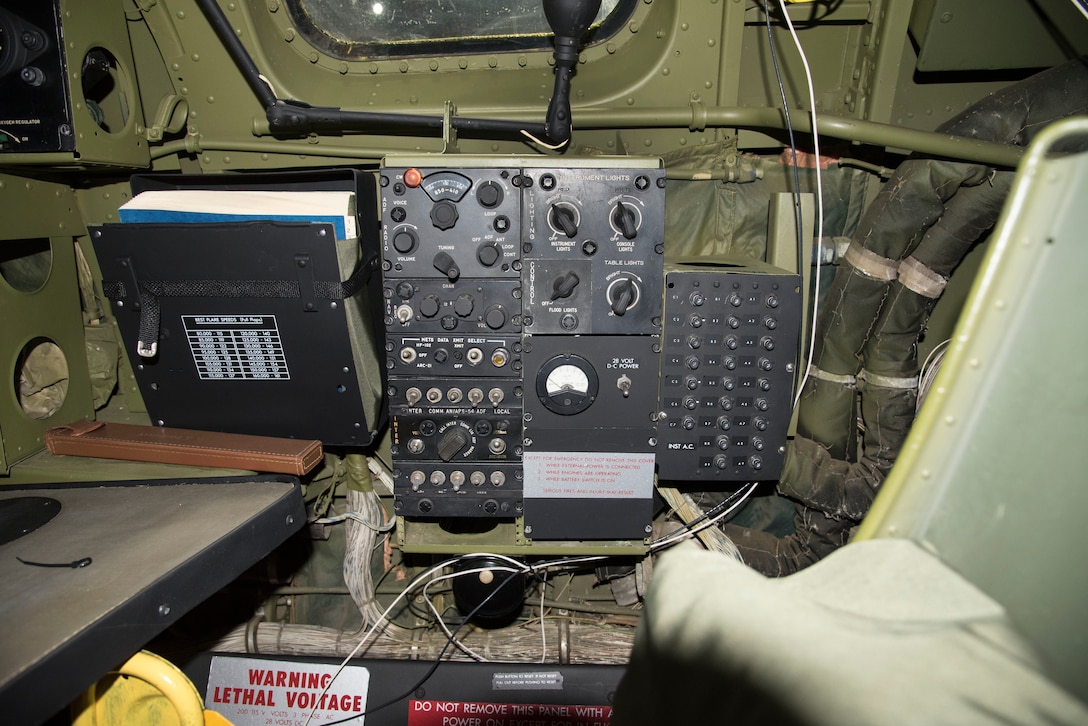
(184, 446)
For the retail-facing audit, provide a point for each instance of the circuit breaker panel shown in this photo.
(731, 335)
(523, 305)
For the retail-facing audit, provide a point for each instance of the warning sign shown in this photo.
(255, 692)
(588, 475)
(469, 713)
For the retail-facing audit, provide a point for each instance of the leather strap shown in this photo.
(184, 446)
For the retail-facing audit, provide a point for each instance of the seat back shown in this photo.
(994, 476)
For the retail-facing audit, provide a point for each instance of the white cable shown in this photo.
(1082, 7)
(685, 534)
(543, 634)
(928, 372)
(418, 580)
(377, 626)
(358, 517)
(438, 617)
(819, 201)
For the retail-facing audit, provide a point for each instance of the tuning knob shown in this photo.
(625, 220)
(445, 264)
(444, 214)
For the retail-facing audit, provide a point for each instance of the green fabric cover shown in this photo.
(879, 632)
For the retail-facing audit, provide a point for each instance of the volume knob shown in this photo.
(404, 241)
(495, 317)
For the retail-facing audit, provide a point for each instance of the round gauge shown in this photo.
(567, 384)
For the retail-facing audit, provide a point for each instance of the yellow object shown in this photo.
(147, 689)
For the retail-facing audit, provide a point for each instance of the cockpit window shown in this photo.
(398, 28)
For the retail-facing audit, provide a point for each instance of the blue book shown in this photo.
(191, 206)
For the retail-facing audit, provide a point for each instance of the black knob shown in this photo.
(453, 442)
(489, 195)
(488, 254)
(428, 306)
(623, 296)
(405, 290)
(464, 305)
(625, 219)
(445, 264)
(444, 214)
(564, 219)
(564, 285)
(495, 317)
(404, 241)
(441, 355)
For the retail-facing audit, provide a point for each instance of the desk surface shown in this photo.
(157, 549)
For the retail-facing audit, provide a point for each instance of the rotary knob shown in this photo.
(428, 306)
(453, 443)
(405, 240)
(564, 218)
(444, 214)
(446, 265)
(625, 220)
(495, 317)
(488, 254)
(564, 285)
(623, 296)
(463, 305)
(489, 195)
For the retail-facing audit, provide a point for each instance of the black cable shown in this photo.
(713, 511)
(438, 660)
(237, 52)
(296, 118)
(793, 143)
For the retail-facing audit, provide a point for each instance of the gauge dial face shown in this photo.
(567, 384)
(446, 185)
(567, 379)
